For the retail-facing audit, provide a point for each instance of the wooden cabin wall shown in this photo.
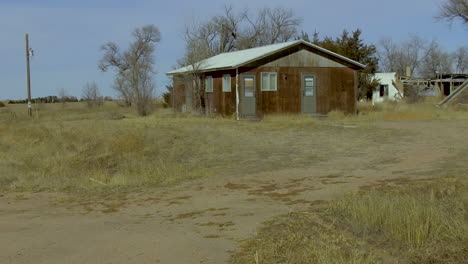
(335, 89)
(178, 92)
(216, 102)
(219, 102)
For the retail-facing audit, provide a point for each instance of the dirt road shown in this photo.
(201, 221)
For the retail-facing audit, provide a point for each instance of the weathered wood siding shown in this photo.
(178, 92)
(219, 102)
(303, 58)
(462, 96)
(335, 89)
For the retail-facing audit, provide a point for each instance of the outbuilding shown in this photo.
(290, 77)
(390, 87)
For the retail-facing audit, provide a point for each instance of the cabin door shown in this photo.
(248, 100)
(309, 94)
(188, 96)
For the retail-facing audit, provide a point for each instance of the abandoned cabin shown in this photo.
(390, 87)
(291, 77)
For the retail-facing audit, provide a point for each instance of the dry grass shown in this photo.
(80, 149)
(412, 224)
(300, 238)
(393, 111)
(76, 148)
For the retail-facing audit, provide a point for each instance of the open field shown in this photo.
(82, 185)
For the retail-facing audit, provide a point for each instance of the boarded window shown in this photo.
(209, 84)
(309, 86)
(226, 83)
(269, 81)
(383, 90)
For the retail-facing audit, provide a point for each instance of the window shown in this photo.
(269, 81)
(226, 83)
(209, 84)
(309, 85)
(383, 90)
(249, 86)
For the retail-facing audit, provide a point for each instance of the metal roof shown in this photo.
(235, 59)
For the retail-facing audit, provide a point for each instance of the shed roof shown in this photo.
(234, 59)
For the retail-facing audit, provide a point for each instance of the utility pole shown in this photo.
(28, 77)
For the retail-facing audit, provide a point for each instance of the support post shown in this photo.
(237, 93)
(28, 77)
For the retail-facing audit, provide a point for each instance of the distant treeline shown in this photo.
(53, 99)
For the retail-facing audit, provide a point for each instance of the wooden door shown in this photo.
(248, 93)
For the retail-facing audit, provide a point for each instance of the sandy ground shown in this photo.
(202, 221)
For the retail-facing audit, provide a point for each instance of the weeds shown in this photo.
(76, 147)
(300, 238)
(84, 149)
(393, 111)
(408, 224)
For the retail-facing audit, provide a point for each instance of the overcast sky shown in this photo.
(66, 35)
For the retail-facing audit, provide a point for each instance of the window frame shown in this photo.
(209, 79)
(383, 90)
(314, 83)
(254, 91)
(269, 85)
(229, 88)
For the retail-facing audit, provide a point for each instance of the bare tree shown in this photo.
(91, 95)
(437, 62)
(242, 30)
(460, 59)
(134, 67)
(63, 96)
(454, 9)
(124, 89)
(268, 26)
(229, 32)
(394, 57)
(196, 51)
(389, 56)
(217, 35)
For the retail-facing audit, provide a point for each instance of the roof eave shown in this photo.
(358, 65)
(202, 71)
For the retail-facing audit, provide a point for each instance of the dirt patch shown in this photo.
(201, 220)
(234, 186)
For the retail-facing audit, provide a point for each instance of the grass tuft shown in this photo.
(411, 224)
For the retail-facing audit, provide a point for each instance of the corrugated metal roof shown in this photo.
(230, 60)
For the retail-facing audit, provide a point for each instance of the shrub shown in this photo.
(167, 99)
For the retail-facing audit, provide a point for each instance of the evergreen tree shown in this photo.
(352, 46)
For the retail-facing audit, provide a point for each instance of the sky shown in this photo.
(66, 35)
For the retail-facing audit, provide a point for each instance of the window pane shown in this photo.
(273, 82)
(248, 81)
(209, 84)
(249, 88)
(265, 82)
(309, 86)
(309, 81)
(226, 83)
